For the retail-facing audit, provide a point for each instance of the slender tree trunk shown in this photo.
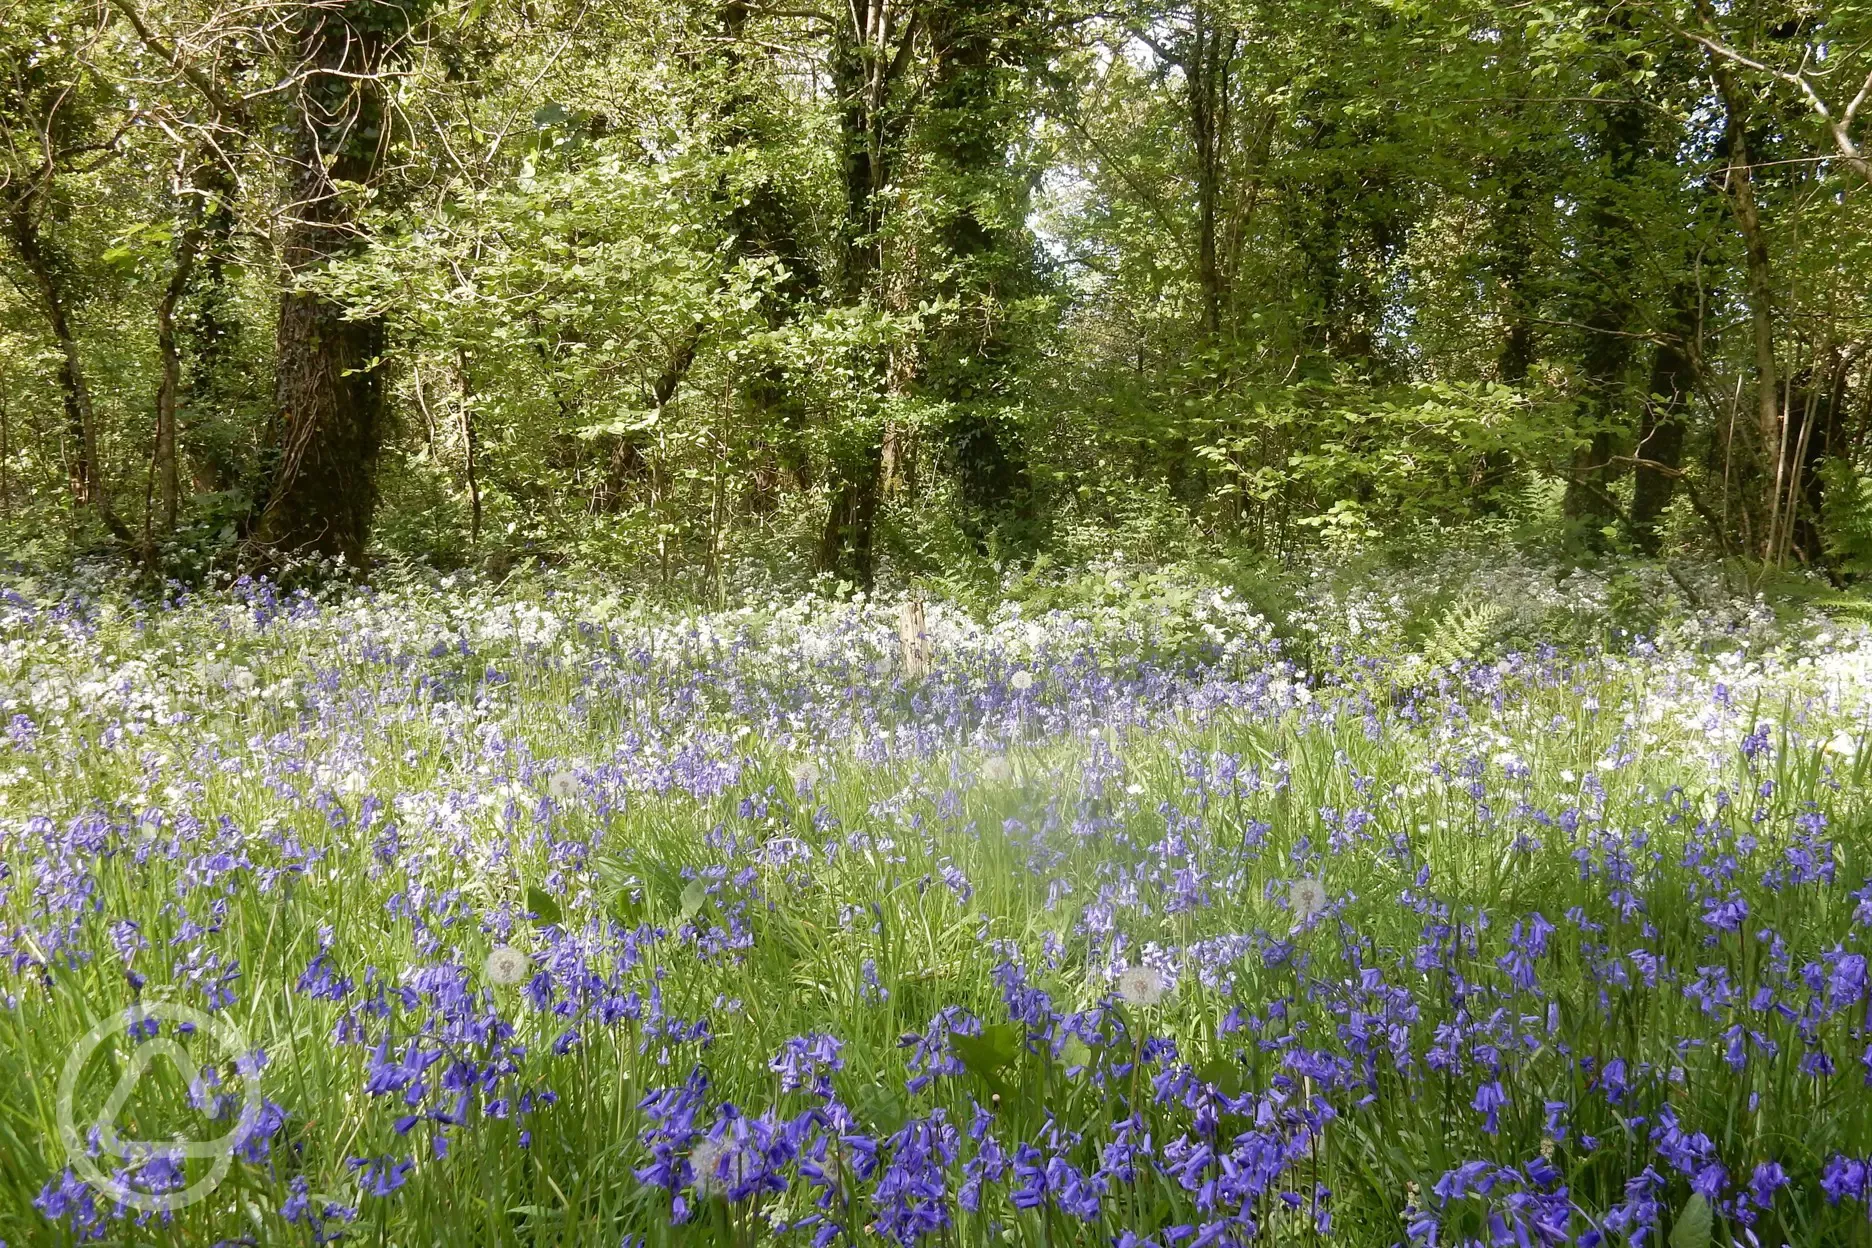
(1206, 73)
(1661, 425)
(6, 457)
(213, 384)
(85, 471)
(471, 448)
(169, 384)
(1511, 247)
(1741, 187)
(1823, 437)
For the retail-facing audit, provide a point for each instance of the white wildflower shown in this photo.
(506, 966)
(998, 770)
(1843, 744)
(1143, 985)
(563, 786)
(1021, 681)
(1307, 898)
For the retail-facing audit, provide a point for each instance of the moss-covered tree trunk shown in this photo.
(328, 392)
(869, 56)
(985, 259)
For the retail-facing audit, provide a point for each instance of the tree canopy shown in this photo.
(892, 286)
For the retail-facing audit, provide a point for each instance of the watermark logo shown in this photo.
(156, 1163)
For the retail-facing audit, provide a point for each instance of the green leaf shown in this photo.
(883, 1108)
(1694, 1223)
(694, 897)
(986, 1056)
(630, 906)
(545, 909)
(1222, 1074)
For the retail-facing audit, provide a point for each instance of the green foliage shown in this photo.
(670, 293)
(1463, 632)
(1847, 519)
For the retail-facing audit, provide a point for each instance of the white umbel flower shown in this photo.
(506, 966)
(1143, 985)
(1307, 898)
(563, 786)
(1021, 681)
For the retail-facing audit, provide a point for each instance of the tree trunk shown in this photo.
(1771, 462)
(1823, 437)
(328, 395)
(845, 544)
(1206, 72)
(84, 471)
(864, 69)
(213, 383)
(1659, 454)
(1511, 259)
(1607, 354)
(188, 245)
(968, 362)
(471, 448)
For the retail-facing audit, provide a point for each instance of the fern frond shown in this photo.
(1463, 632)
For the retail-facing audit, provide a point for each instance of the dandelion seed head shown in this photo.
(1143, 985)
(715, 1170)
(506, 966)
(1307, 899)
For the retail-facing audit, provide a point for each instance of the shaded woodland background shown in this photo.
(905, 288)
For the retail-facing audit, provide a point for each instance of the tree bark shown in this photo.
(1607, 353)
(328, 394)
(1661, 428)
(1510, 258)
(1740, 184)
(1206, 73)
(84, 471)
(967, 364)
(869, 55)
(208, 335)
(187, 253)
(471, 448)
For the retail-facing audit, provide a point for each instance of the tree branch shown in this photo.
(195, 78)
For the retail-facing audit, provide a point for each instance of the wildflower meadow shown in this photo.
(461, 914)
